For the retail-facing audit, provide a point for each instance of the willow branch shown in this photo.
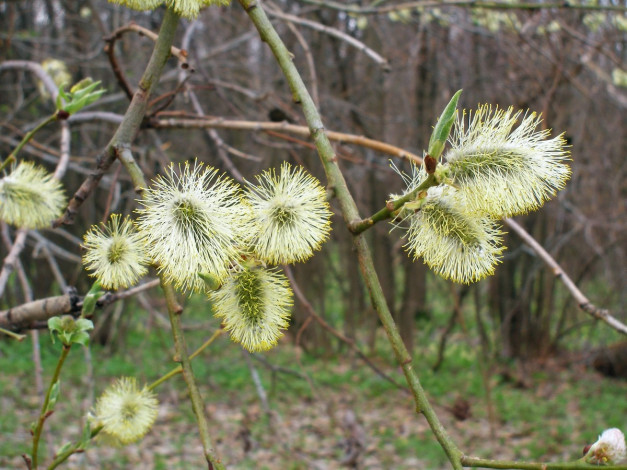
(133, 118)
(44, 413)
(111, 39)
(460, 3)
(514, 465)
(178, 369)
(27, 315)
(359, 226)
(381, 61)
(12, 258)
(582, 301)
(180, 345)
(261, 126)
(349, 210)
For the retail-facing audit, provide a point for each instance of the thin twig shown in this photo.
(111, 39)
(475, 462)
(261, 392)
(313, 78)
(25, 316)
(35, 68)
(12, 258)
(219, 123)
(582, 301)
(133, 117)
(381, 61)
(174, 311)
(373, 10)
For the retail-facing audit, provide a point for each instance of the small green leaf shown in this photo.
(84, 83)
(54, 324)
(86, 435)
(64, 448)
(80, 337)
(66, 337)
(83, 324)
(81, 94)
(69, 330)
(54, 396)
(91, 299)
(443, 127)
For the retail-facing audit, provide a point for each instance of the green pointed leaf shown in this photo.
(54, 324)
(66, 337)
(81, 94)
(83, 324)
(443, 127)
(63, 94)
(91, 299)
(81, 85)
(54, 396)
(80, 337)
(85, 435)
(64, 448)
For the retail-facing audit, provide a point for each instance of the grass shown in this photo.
(562, 410)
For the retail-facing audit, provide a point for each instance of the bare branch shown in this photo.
(383, 62)
(582, 301)
(220, 123)
(27, 315)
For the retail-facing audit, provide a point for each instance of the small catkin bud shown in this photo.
(192, 222)
(30, 197)
(291, 214)
(501, 171)
(125, 412)
(609, 449)
(457, 243)
(254, 305)
(115, 253)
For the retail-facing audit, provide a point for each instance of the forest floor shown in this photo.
(322, 412)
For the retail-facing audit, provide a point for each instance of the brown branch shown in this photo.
(24, 317)
(29, 314)
(582, 301)
(473, 4)
(110, 40)
(132, 120)
(219, 123)
(381, 61)
(12, 258)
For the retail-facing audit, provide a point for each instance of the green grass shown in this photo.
(562, 410)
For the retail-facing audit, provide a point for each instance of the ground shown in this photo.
(330, 413)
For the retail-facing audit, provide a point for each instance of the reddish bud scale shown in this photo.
(430, 164)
